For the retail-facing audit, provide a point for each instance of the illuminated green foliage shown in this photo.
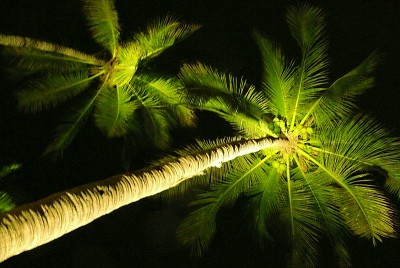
(120, 93)
(323, 184)
(6, 202)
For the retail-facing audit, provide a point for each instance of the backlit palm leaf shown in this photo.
(33, 50)
(338, 100)
(168, 92)
(278, 77)
(66, 132)
(103, 21)
(52, 90)
(307, 26)
(161, 35)
(114, 111)
(198, 229)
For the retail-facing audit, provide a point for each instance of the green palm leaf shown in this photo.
(33, 54)
(278, 77)
(128, 60)
(53, 89)
(307, 26)
(66, 132)
(6, 202)
(162, 34)
(168, 92)
(114, 111)
(103, 21)
(198, 228)
(338, 99)
(231, 98)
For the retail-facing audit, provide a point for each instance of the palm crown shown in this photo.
(124, 94)
(321, 183)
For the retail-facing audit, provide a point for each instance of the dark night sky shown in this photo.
(141, 235)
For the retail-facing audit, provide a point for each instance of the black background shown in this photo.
(141, 234)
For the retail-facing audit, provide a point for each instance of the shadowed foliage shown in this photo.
(124, 97)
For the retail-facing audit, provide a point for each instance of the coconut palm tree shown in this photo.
(31, 225)
(325, 184)
(123, 96)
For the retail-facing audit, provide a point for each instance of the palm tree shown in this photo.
(125, 97)
(325, 184)
(31, 225)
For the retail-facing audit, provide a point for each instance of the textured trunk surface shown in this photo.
(34, 224)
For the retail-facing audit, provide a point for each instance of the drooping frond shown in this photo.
(359, 143)
(302, 221)
(32, 50)
(278, 77)
(211, 90)
(52, 90)
(198, 228)
(114, 111)
(169, 93)
(265, 199)
(338, 100)
(6, 203)
(103, 21)
(247, 126)
(162, 34)
(376, 217)
(66, 132)
(359, 196)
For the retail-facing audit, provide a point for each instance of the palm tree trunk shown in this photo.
(40, 222)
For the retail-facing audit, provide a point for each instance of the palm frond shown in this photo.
(338, 100)
(52, 89)
(6, 170)
(362, 217)
(6, 202)
(128, 60)
(307, 26)
(114, 111)
(359, 143)
(277, 78)
(168, 92)
(162, 34)
(266, 201)
(66, 132)
(198, 228)
(224, 94)
(375, 216)
(33, 51)
(103, 21)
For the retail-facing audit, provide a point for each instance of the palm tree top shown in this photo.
(322, 184)
(124, 98)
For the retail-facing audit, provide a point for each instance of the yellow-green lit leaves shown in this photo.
(168, 93)
(278, 76)
(103, 21)
(52, 90)
(370, 215)
(162, 34)
(124, 66)
(337, 101)
(114, 110)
